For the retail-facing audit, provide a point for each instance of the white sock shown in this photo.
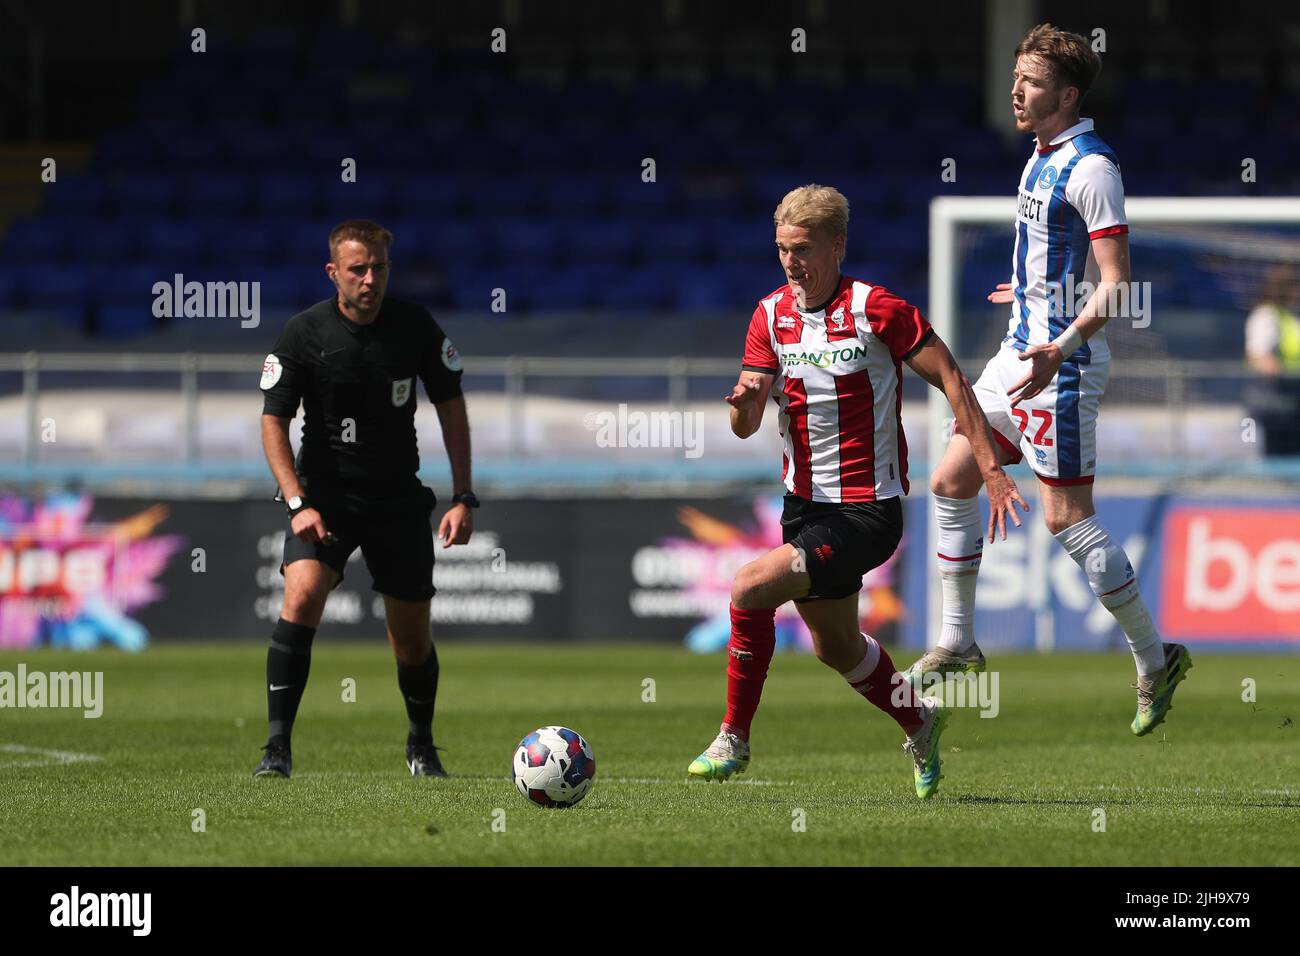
(960, 547)
(866, 666)
(1111, 577)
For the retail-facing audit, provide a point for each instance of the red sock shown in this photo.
(753, 639)
(877, 681)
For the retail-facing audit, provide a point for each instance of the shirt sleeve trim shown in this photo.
(759, 368)
(1119, 230)
(919, 345)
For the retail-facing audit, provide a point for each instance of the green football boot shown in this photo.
(1156, 693)
(923, 746)
(727, 754)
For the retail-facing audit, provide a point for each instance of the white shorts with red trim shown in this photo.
(1056, 430)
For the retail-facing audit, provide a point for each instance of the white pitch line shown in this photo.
(49, 757)
(1209, 791)
(599, 779)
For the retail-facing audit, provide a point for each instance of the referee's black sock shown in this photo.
(419, 686)
(288, 660)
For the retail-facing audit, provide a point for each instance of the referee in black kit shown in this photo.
(353, 360)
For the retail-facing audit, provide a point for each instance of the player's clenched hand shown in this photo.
(456, 526)
(1045, 360)
(309, 527)
(1003, 497)
(1002, 294)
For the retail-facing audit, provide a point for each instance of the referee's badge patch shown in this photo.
(401, 391)
(271, 371)
(450, 357)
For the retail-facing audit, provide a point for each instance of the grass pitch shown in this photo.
(1218, 783)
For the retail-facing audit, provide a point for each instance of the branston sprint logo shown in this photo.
(75, 689)
(208, 300)
(955, 690)
(647, 430)
(103, 909)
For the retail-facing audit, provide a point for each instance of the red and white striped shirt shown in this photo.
(839, 385)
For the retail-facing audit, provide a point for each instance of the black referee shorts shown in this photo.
(841, 542)
(393, 531)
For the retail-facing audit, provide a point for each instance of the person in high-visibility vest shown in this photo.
(1273, 350)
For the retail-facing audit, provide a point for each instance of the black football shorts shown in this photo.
(394, 533)
(841, 542)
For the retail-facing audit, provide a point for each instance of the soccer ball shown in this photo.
(554, 767)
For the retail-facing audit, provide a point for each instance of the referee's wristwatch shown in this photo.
(466, 498)
(296, 504)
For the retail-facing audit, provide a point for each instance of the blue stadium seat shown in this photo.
(411, 243)
(428, 194)
(637, 289)
(462, 244)
(124, 150)
(515, 195)
(225, 239)
(610, 240)
(258, 149)
(367, 198)
(472, 289)
(212, 193)
(130, 285)
(282, 287)
(36, 240)
(10, 288)
(285, 195)
(743, 239)
(78, 196)
(675, 240)
(526, 240)
(59, 286)
(628, 190)
(703, 291)
(100, 241)
(120, 321)
(167, 241)
(569, 289)
(306, 241)
(155, 193)
(187, 148)
(568, 194)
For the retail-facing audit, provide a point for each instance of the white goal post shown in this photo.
(949, 213)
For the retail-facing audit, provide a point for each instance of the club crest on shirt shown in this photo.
(838, 322)
(401, 391)
(271, 371)
(1047, 177)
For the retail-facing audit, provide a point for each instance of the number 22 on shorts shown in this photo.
(1022, 420)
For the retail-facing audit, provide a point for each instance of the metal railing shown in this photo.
(516, 371)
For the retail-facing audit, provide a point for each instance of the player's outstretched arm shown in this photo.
(458, 523)
(935, 364)
(747, 399)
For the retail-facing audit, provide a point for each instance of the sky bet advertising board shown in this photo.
(78, 572)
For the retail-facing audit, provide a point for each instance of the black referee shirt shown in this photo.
(357, 387)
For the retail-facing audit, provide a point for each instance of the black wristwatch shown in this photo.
(466, 498)
(296, 504)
